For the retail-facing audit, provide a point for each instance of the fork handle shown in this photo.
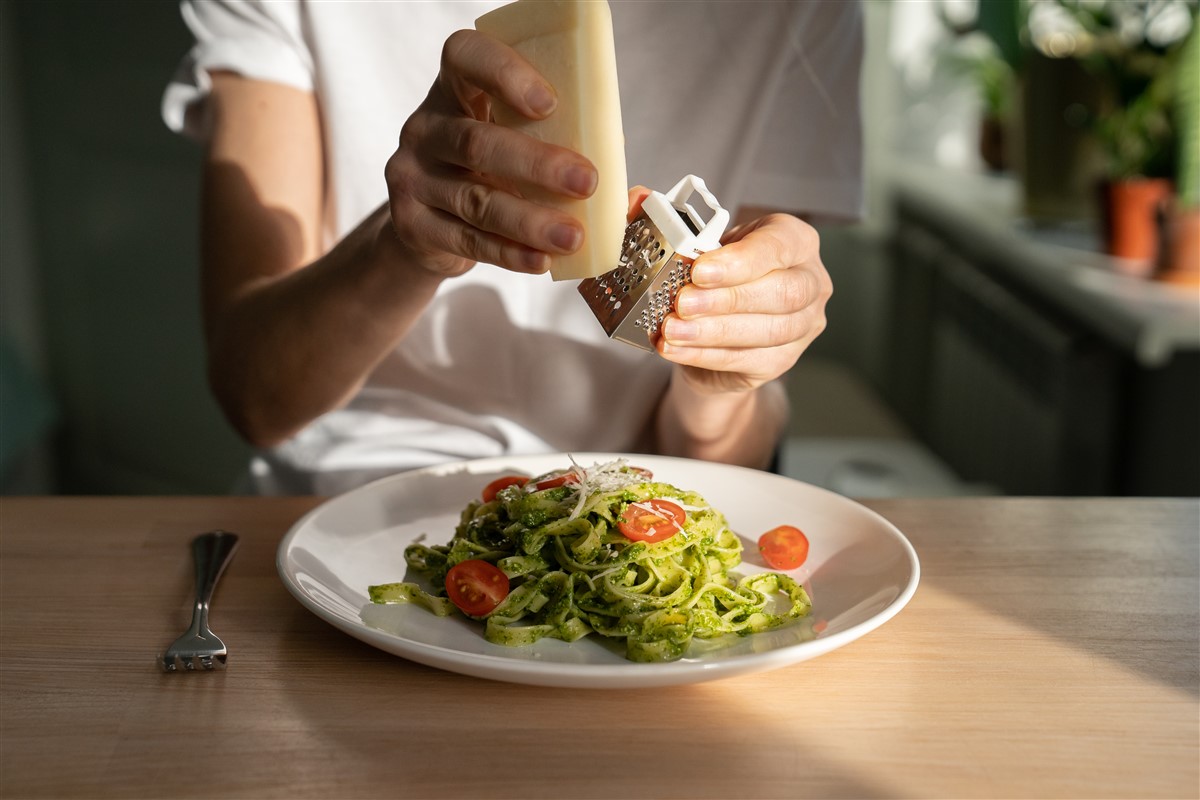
(211, 551)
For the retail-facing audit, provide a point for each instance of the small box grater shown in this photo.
(656, 259)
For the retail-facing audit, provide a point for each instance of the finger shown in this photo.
(494, 150)
(783, 291)
(774, 242)
(471, 59)
(750, 365)
(637, 196)
(493, 210)
(744, 330)
(432, 230)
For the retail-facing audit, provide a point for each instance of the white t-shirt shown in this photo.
(759, 99)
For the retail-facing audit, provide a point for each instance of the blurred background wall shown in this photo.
(103, 386)
(980, 338)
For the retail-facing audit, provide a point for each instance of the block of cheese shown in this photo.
(570, 42)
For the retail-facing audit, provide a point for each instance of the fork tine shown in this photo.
(199, 646)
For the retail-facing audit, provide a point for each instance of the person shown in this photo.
(374, 290)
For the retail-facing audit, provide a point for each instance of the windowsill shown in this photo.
(1062, 263)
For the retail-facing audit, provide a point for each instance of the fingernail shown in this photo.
(565, 237)
(580, 180)
(680, 330)
(706, 272)
(540, 98)
(691, 302)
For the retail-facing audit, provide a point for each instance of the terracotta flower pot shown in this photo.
(1179, 262)
(1132, 214)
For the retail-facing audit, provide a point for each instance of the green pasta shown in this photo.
(573, 572)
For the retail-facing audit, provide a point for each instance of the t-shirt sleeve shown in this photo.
(809, 154)
(260, 40)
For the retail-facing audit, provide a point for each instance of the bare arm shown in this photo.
(291, 332)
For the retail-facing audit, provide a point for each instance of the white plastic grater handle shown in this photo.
(664, 210)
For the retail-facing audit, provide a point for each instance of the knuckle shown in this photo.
(453, 47)
(820, 286)
(778, 249)
(825, 286)
(400, 178)
(794, 294)
(392, 171)
(474, 202)
(474, 145)
(788, 328)
(812, 238)
(411, 133)
(728, 300)
(465, 242)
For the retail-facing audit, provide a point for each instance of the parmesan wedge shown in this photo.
(570, 42)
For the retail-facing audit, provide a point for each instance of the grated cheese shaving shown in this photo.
(607, 477)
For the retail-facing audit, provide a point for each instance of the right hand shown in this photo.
(452, 180)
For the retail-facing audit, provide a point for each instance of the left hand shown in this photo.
(753, 307)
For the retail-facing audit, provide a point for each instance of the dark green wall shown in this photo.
(109, 210)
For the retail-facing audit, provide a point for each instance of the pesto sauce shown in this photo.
(591, 578)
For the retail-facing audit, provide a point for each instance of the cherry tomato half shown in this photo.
(552, 481)
(651, 520)
(490, 491)
(476, 587)
(642, 473)
(784, 547)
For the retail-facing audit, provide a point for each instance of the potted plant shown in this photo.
(1133, 47)
(1054, 99)
(1098, 86)
(1180, 255)
(982, 51)
(1138, 140)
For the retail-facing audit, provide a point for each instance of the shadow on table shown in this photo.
(559, 742)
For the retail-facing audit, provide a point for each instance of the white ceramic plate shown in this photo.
(860, 572)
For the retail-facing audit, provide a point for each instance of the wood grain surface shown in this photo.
(1051, 650)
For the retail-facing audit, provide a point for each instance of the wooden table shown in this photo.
(1050, 651)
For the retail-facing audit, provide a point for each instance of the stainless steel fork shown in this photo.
(200, 647)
